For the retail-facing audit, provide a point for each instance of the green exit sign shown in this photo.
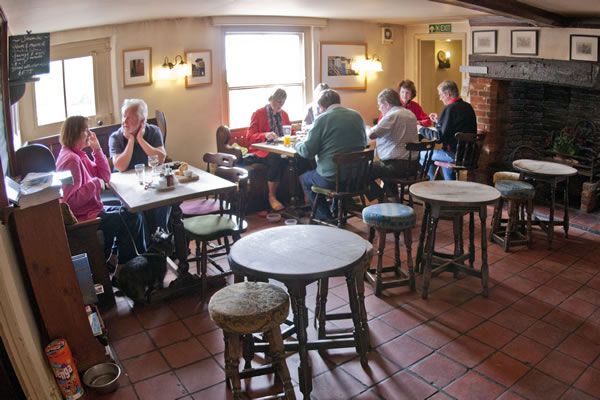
(440, 28)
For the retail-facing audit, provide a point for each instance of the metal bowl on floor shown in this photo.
(103, 378)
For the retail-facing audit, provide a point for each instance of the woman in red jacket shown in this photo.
(407, 92)
(267, 124)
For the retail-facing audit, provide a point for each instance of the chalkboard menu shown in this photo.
(28, 55)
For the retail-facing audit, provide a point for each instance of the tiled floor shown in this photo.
(537, 336)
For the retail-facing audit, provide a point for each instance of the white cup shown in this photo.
(287, 130)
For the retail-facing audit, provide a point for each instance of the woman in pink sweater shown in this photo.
(89, 180)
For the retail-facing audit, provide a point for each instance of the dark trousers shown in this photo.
(312, 178)
(382, 169)
(114, 226)
(275, 166)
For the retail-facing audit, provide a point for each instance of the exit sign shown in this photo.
(440, 28)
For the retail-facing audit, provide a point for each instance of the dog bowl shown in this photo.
(273, 217)
(103, 378)
(290, 221)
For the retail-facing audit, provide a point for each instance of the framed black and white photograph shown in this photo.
(137, 67)
(201, 63)
(485, 42)
(524, 42)
(337, 65)
(584, 48)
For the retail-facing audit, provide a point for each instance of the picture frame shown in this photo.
(524, 42)
(584, 48)
(137, 67)
(485, 42)
(336, 65)
(201, 66)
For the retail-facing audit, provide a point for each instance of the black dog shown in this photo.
(142, 274)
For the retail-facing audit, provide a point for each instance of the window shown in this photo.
(257, 62)
(78, 84)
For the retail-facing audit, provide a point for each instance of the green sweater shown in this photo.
(338, 130)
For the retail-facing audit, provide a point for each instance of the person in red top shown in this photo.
(407, 92)
(267, 124)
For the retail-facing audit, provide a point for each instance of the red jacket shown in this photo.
(259, 127)
(413, 106)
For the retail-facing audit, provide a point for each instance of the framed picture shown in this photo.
(484, 42)
(524, 42)
(584, 48)
(201, 62)
(337, 59)
(137, 67)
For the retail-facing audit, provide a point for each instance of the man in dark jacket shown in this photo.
(457, 116)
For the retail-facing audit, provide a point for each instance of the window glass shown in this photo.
(79, 86)
(49, 95)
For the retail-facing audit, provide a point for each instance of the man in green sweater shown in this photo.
(336, 130)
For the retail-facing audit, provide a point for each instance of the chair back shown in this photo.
(161, 122)
(234, 203)
(219, 160)
(524, 151)
(223, 136)
(353, 171)
(34, 158)
(468, 149)
(414, 152)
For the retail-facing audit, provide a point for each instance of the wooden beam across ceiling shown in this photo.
(525, 13)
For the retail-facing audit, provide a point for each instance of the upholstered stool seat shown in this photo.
(246, 308)
(385, 218)
(519, 196)
(506, 176)
(199, 207)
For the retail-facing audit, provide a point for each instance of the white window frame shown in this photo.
(99, 49)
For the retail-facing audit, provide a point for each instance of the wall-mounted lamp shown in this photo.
(372, 64)
(177, 69)
(443, 58)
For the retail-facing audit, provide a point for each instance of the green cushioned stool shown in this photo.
(385, 218)
(246, 308)
(517, 231)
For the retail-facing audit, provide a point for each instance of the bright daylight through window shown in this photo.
(258, 62)
(67, 90)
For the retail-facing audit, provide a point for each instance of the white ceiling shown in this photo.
(56, 15)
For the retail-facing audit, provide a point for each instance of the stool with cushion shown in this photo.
(246, 308)
(385, 218)
(518, 194)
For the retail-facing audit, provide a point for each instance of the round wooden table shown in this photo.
(297, 256)
(455, 199)
(553, 174)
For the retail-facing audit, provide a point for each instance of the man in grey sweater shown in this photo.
(336, 130)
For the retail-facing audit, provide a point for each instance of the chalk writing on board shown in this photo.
(28, 55)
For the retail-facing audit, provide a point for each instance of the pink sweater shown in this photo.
(83, 196)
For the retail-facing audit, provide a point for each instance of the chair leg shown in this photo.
(529, 216)
(314, 208)
(277, 355)
(379, 271)
(341, 210)
(397, 263)
(204, 269)
(510, 225)
(232, 344)
(409, 262)
(320, 307)
(198, 257)
(497, 218)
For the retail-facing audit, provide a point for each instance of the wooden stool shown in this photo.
(519, 195)
(246, 308)
(385, 218)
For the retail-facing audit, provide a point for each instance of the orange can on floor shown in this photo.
(64, 370)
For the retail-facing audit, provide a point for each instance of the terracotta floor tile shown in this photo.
(404, 318)
(576, 275)
(508, 395)
(379, 369)
(562, 257)
(590, 382)
(544, 333)
(155, 315)
(513, 320)
(510, 265)
(580, 348)
(502, 369)
(184, 352)
(588, 294)
(561, 367)
(467, 351)
(219, 391)
(589, 331)
(574, 394)
(433, 334)
(189, 305)
(552, 265)
(145, 366)
(536, 385)
(200, 323)
(504, 295)
(438, 370)
(536, 274)
(133, 345)
(335, 384)
(459, 319)
(483, 307)
(165, 387)
(429, 307)
(563, 320)
(564, 285)
(404, 351)
(452, 294)
(577, 306)
(520, 284)
(549, 295)
(590, 267)
(594, 283)
(532, 307)
(473, 386)
(169, 333)
(380, 332)
(123, 393)
(404, 386)
(526, 350)
(492, 334)
(213, 341)
(200, 375)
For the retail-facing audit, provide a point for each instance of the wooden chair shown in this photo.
(230, 221)
(351, 180)
(468, 149)
(34, 158)
(414, 176)
(161, 122)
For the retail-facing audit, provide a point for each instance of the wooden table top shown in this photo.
(454, 193)
(135, 198)
(276, 147)
(298, 252)
(547, 168)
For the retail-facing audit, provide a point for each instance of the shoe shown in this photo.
(276, 205)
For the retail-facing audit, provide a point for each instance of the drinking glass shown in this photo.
(139, 172)
(153, 162)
